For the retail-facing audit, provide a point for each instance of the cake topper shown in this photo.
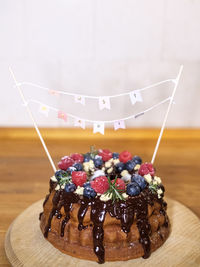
(104, 102)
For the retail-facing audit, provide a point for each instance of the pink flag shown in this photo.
(54, 92)
(62, 115)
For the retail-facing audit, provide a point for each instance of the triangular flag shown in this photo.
(119, 125)
(79, 123)
(104, 102)
(98, 127)
(54, 92)
(79, 99)
(62, 115)
(135, 96)
(44, 110)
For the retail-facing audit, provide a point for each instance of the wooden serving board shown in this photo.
(26, 246)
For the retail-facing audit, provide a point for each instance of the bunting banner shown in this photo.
(79, 123)
(62, 115)
(104, 102)
(98, 127)
(44, 110)
(79, 99)
(119, 125)
(135, 96)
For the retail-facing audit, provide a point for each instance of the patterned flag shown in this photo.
(98, 127)
(79, 123)
(104, 102)
(135, 96)
(54, 92)
(44, 110)
(79, 99)
(62, 115)
(119, 125)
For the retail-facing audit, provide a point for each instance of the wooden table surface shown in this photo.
(25, 170)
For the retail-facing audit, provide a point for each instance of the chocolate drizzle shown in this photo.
(125, 211)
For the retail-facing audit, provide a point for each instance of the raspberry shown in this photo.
(125, 156)
(77, 157)
(105, 154)
(79, 178)
(65, 163)
(100, 184)
(146, 168)
(119, 184)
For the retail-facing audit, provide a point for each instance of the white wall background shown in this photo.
(100, 47)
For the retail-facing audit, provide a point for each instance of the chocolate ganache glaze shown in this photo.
(126, 211)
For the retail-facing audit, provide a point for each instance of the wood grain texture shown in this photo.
(25, 170)
(26, 246)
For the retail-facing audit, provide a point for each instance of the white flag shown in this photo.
(44, 110)
(79, 123)
(119, 125)
(135, 96)
(98, 127)
(104, 102)
(79, 99)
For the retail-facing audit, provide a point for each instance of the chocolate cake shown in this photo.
(105, 206)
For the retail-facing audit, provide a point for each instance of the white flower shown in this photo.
(148, 178)
(53, 178)
(97, 174)
(57, 187)
(116, 161)
(124, 195)
(110, 170)
(79, 190)
(105, 197)
(137, 166)
(157, 179)
(108, 164)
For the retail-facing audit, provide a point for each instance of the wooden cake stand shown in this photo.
(26, 246)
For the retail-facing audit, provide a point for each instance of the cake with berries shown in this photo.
(105, 206)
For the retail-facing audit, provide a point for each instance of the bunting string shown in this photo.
(98, 126)
(104, 101)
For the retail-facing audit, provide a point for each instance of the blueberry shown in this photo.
(139, 180)
(133, 189)
(71, 169)
(59, 174)
(120, 166)
(89, 192)
(137, 160)
(70, 187)
(115, 155)
(87, 184)
(98, 162)
(87, 157)
(130, 165)
(78, 166)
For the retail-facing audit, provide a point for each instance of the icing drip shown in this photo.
(125, 211)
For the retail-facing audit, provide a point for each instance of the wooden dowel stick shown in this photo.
(33, 120)
(166, 115)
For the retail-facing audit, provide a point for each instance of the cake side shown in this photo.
(88, 224)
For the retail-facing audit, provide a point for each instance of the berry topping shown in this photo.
(71, 169)
(119, 183)
(59, 174)
(133, 189)
(105, 154)
(115, 155)
(98, 162)
(78, 166)
(87, 157)
(100, 184)
(77, 157)
(79, 178)
(120, 167)
(65, 163)
(89, 192)
(130, 165)
(146, 168)
(139, 180)
(137, 159)
(70, 187)
(125, 156)
(87, 184)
